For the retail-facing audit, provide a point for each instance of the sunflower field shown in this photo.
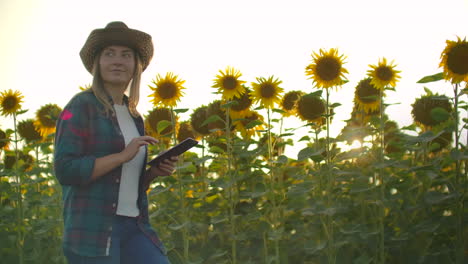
(399, 196)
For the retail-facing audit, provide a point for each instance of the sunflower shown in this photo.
(366, 96)
(10, 102)
(248, 129)
(197, 118)
(4, 140)
(185, 131)
(153, 119)
(267, 91)
(455, 60)
(311, 108)
(228, 83)
(327, 69)
(423, 106)
(214, 108)
(289, 102)
(29, 131)
(46, 117)
(167, 90)
(383, 74)
(244, 102)
(26, 160)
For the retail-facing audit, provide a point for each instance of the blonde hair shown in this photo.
(103, 97)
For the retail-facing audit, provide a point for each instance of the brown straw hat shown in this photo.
(116, 33)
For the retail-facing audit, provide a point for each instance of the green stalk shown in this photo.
(272, 185)
(19, 212)
(331, 254)
(232, 187)
(460, 239)
(185, 239)
(382, 183)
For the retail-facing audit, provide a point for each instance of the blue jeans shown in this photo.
(129, 246)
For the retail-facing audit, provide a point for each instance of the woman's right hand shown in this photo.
(132, 148)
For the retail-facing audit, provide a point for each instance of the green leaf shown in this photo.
(181, 110)
(428, 91)
(307, 153)
(317, 93)
(229, 104)
(253, 124)
(176, 227)
(335, 105)
(212, 119)
(439, 114)
(432, 78)
(458, 155)
(163, 124)
(277, 110)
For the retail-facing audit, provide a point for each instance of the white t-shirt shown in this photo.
(128, 192)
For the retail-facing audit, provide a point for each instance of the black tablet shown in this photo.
(174, 151)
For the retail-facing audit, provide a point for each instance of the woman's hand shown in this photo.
(165, 168)
(132, 148)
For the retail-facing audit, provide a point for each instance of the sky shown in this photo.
(40, 41)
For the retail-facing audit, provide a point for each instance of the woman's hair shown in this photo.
(102, 95)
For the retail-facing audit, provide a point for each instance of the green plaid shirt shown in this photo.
(83, 134)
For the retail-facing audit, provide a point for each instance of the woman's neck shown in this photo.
(116, 92)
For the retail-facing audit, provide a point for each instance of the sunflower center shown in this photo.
(290, 101)
(457, 59)
(267, 90)
(384, 73)
(310, 107)
(229, 83)
(243, 102)
(167, 90)
(10, 102)
(328, 68)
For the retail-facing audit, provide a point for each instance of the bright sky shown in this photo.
(40, 42)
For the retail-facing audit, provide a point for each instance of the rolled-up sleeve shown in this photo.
(72, 165)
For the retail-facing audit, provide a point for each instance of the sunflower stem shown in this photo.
(382, 182)
(461, 192)
(232, 187)
(331, 254)
(186, 243)
(275, 218)
(20, 216)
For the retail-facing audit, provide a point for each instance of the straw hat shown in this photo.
(116, 33)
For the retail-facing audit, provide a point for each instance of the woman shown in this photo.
(100, 155)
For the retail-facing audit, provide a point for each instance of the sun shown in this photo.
(167, 91)
(10, 102)
(455, 61)
(228, 83)
(267, 91)
(327, 69)
(383, 74)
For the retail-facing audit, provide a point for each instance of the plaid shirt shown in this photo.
(83, 134)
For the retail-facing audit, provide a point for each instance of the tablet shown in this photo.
(174, 151)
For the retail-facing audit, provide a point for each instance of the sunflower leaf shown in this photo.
(439, 114)
(428, 91)
(181, 110)
(432, 78)
(163, 124)
(276, 110)
(253, 124)
(335, 105)
(308, 152)
(317, 93)
(21, 112)
(229, 104)
(212, 119)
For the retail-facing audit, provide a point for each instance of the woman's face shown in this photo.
(117, 64)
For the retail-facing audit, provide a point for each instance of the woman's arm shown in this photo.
(107, 163)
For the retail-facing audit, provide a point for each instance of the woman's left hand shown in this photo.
(165, 168)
